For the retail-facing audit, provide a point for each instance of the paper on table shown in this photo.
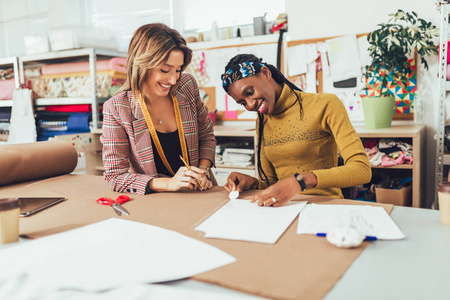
(245, 221)
(369, 220)
(20, 286)
(112, 253)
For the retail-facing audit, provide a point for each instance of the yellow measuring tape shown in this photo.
(148, 119)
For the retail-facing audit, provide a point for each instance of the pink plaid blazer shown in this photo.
(127, 149)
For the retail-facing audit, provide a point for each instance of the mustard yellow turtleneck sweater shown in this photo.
(293, 144)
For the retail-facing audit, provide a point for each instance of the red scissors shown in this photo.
(115, 204)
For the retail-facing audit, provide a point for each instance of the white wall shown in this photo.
(326, 18)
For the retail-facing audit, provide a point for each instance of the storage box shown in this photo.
(37, 43)
(81, 36)
(402, 197)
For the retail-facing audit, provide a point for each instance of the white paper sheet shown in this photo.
(110, 254)
(363, 49)
(245, 221)
(311, 80)
(369, 220)
(323, 49)
(343, 55)
(20, 287)
(297, 62)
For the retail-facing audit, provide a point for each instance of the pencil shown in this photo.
(189, 168)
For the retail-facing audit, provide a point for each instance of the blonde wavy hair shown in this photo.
(150, 47)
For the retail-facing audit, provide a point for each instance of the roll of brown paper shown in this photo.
(30, 161)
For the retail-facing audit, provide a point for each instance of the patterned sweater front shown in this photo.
(294, 143)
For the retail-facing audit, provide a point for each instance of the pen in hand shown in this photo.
(189, 168)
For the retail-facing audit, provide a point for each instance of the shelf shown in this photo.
(250, 40)
(70, 53)
(6, 103)
(63, 101)
(404, 167)
(220, 130)
(96, 131)
(395, 131)
(234, 167)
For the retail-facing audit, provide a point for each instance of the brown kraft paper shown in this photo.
(296, 267)
(30, 161)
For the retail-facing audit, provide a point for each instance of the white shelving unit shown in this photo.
(444, 89)
(9, 62)
(6, 63)
(84, 54)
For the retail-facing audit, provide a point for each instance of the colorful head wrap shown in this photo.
(240, 71)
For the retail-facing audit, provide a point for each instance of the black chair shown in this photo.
(348, 193)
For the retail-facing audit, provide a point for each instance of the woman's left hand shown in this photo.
(206, 183)
(200, 175)
(278, 193)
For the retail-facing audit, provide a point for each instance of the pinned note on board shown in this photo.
(229, 114)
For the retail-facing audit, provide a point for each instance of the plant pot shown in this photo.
(378, 111)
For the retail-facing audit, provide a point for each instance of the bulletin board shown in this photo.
(208, 65)
(300, 79)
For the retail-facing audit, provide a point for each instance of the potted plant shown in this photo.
(391, 44)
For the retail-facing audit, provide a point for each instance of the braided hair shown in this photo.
(280, 79)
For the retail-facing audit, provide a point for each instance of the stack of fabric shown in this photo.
(7, 83)
(5, 116)
(388, 152)
(52, 123)
(240, 154)
(73, 79)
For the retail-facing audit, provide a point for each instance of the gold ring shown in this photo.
(274, 200)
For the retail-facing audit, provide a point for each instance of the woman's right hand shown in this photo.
(240, 182)
(183, 179)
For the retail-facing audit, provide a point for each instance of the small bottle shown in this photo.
(238, 32)
(9, 220)
(228, 32)
(214, 31)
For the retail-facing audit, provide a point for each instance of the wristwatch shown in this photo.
(300, 181)
(207, 172)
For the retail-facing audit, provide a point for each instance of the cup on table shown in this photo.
(444, 202)
(9, 220)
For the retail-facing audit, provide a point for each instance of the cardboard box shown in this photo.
(402, 197)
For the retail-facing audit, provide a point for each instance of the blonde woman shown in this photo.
(156, 117)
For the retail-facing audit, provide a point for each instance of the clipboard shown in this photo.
(32, 205)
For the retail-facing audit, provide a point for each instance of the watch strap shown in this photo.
(300, 182)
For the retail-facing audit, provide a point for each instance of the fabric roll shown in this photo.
(31, 161)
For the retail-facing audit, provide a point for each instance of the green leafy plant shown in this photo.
(391, 44)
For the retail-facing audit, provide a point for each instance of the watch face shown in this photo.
(299, 177)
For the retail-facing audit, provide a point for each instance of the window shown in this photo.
(199, 15)
(124, 17)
